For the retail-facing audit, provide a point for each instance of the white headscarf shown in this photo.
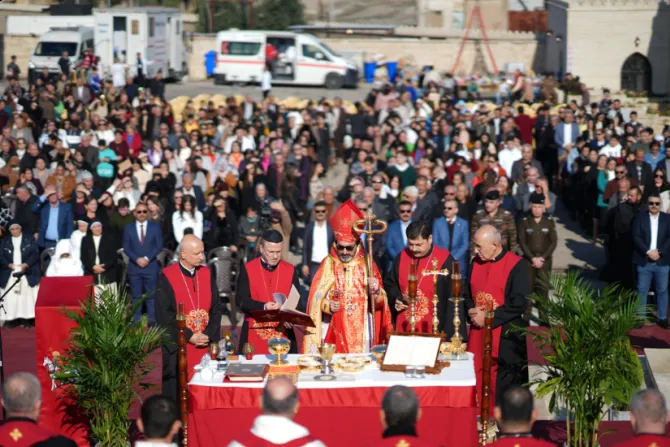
(60, 266)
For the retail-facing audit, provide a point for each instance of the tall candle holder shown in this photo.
(411, 291)
(456, 348)
(435, 273)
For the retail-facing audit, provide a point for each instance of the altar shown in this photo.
(343, 412)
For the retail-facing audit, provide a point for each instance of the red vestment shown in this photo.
(424, 289)
(487, 287)
(405, 441)
(644, 440)
(528, 441)
(197, 298)
(22, 432)
(262, 284)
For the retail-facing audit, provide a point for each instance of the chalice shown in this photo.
(327, 351)
(279, 346)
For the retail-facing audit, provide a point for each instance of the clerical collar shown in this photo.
(500, 256)
(185, 271)
(268, 267)
(514, 435)
(400, 430)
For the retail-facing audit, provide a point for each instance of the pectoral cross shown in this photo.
(350, 307)
(435, 273)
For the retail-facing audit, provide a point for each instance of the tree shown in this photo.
(279, 14)
(226, 15)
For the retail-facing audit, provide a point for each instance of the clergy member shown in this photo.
(498, 282)
(190, 283)
(258, 281)
(648, 417)
(516, 416)
(421, 252)
(338, 298)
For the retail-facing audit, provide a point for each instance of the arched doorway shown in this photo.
(636, 74)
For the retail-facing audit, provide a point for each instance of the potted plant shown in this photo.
(104, 368)
(590, 364)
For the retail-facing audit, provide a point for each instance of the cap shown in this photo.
(273, 236)
(492, 195)
(342, 222)
(537, 198)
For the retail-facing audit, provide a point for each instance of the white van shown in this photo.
(301, 59)
(74, 40)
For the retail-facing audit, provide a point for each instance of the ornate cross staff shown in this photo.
(367, 226)
(435, 273)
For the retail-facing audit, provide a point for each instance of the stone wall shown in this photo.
(441, 53)
(22, 47)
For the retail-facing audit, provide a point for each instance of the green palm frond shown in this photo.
(590, 364)
(107, 362)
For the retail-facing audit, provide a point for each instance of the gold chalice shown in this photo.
(327, 351)
(279, 347)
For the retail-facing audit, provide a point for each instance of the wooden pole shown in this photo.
(182, 368)
(486, 378)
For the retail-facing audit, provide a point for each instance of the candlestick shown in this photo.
(411, 291)
(435, 273)
(456, 349)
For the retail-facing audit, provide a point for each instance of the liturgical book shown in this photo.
(412, 350)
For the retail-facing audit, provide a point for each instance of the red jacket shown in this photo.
(135, 144)
(525, 124)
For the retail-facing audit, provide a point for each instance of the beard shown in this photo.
(345, 258)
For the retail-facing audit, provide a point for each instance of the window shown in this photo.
(152, 26)
(313, 52)
(53, 49)
(135, 25)
(90, 44)
(240, 48)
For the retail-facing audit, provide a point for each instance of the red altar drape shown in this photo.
(52, 331)
(336, 416)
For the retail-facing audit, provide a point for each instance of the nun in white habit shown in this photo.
(20, 256)
(63, 263)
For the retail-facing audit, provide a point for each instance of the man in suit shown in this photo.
(142, 242)
(566, 134)
(640, 171)
(519, 166)
(319, 237)
(427, 201)
(651, 237)
(23, 211)
(82, 93)
(396, 235)
(56, 218)
(275, 174)
(194, 190)
(98, 255)
(453, 233)
(525, 189)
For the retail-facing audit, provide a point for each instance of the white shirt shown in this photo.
(319, 242)
(96, 244)
(567, 134)
(654, 232)
(139, 232)
(181, 221)
(403, 231)
(507, 157)
(611, 151)
(278, 430)
(266, 83)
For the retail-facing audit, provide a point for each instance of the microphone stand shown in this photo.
(2, 352)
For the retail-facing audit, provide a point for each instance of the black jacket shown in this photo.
(106, 253)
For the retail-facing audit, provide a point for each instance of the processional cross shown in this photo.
(435, 273)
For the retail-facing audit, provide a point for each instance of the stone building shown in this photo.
(618, 44)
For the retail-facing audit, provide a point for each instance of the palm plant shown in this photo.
(106, 363)
(590, 364)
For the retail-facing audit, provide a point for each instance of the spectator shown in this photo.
(187, 217)
(56, 219)
(63, 262)
(640, 171)
(98, 255)
(275, 426)
(452, 233)
(400, 414)
(22, 400)
(396, 238)
(319, 237)
(426, 203)
(13, 69)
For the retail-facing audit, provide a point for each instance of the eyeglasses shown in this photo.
(620, 172)
(345, 247)
(449, 208)
(376, 181)
(404, 211)
(141, 211)
(363, 209)
(449, 193)
(320, 211)
(658, 176)
(654, 203)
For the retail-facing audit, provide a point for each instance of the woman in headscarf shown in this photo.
(63, 263)
(20, 254)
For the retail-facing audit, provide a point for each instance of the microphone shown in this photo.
(18, 274)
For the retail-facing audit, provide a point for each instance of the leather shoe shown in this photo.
(664, 324)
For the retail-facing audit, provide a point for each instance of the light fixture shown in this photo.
(549, 33)
(559, 38)
(350, 31)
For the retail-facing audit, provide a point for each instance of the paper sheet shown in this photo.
(411, 350)
(292, 301)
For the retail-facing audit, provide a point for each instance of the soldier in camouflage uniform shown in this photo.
(492, 214)
(537, 239)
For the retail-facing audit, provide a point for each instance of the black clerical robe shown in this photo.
(166, 317)
(502, 284)
(397, 277)
(256, 283)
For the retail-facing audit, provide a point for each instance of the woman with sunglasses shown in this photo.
(660, 187)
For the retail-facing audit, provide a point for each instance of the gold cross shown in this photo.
(435, 272)
(16, 435)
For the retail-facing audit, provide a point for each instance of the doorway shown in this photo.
(636, 74)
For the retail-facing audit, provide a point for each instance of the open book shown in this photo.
(412, 350)
(286, 313)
